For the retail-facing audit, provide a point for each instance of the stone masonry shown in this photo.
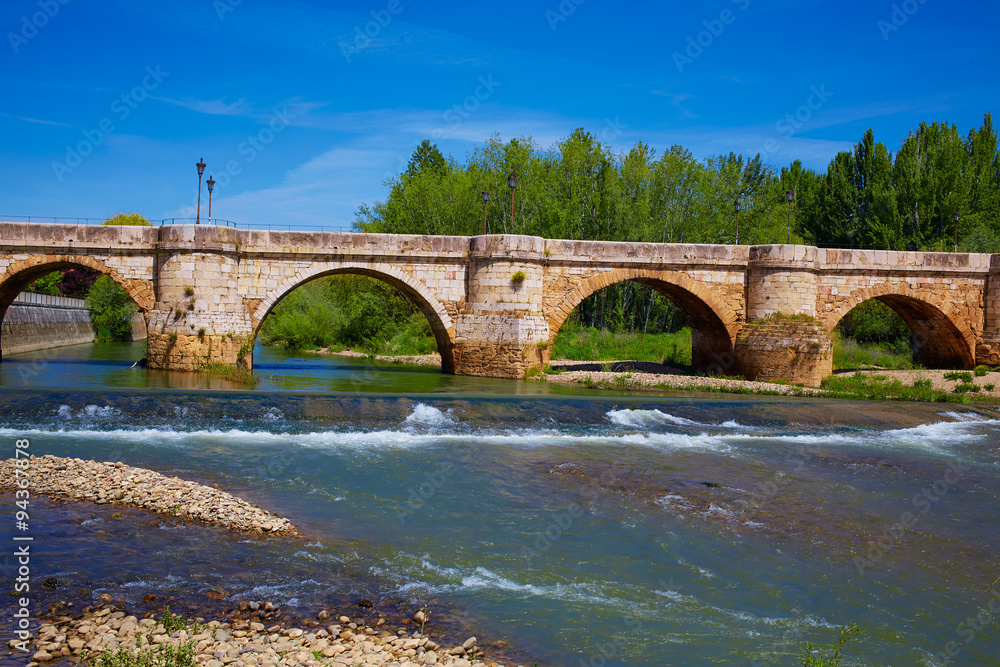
(495, 303)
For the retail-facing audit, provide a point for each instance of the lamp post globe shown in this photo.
(486, 199)
(790, 196)
(736, 206)
(201, 170)
(512, 182)
(211, 186)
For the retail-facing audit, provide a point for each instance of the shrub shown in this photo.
(922, 384)
(47, 284)
(989, 387)
(189, 292)
(77, 282)
(963, 376)
(518, 277)
(111, 310)
(981, 370)
(130, 219)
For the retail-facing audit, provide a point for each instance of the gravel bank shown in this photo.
(214, 644)
(411, 359)
(102, 483)
(644, 375)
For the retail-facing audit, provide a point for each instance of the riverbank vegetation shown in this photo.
(341, 312)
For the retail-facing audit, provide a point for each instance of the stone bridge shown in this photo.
(495, 303)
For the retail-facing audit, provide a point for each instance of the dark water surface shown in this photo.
(581, 528)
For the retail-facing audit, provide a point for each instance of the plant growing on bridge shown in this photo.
(130, 219)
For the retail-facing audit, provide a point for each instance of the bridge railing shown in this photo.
(59, 220)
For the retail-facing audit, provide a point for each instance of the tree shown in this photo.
(111, 310)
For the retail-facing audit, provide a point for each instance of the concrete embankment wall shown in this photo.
(42, 321)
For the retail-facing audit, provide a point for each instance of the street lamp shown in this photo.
(790, 196)
(512, 182)
(736, 205)
(211, 186)
(486, 199)
(201, 170)
(956, 216)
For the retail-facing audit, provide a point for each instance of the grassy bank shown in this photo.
(850, 354)
(581, 343)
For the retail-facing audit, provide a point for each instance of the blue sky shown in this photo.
(302, 108)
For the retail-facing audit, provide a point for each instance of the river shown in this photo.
(577, 527)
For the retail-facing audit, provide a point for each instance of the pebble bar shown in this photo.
(103, 483)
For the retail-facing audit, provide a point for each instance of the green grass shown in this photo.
(589, 344)
(161, 655)
(883, 388)
(234, 373)
(849, 354)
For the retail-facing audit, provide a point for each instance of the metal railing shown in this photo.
(180, 221)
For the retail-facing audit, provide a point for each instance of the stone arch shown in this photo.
(23, 272)
(441, 323)
(713, 328)
(940, 340)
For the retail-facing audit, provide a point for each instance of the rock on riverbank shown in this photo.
(247, 643)
(102, 483)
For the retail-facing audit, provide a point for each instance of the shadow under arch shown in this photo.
(22, 273)
(439, 319)
(937, 340)
(712, 336)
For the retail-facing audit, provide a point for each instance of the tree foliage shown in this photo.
(581, 188)
(111, 310)
(132, 219)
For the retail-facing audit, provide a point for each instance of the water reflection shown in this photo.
(101, 365)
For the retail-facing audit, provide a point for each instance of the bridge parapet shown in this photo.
(495, 302)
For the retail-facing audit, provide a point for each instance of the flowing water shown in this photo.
(580, 528)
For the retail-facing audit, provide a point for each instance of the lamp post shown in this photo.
(486, 199)
(736, 205)
(512, 182)
(956, 230)
(211, 186)
(201, 170)
(790, 196)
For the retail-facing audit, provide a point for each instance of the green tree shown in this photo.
(111, 310)
(47, 284)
